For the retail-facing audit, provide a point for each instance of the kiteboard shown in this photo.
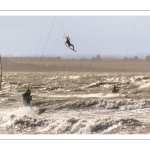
(71, 48)
(39, 111)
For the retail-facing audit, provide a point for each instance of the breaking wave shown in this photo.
(106, 104)
(73, 125)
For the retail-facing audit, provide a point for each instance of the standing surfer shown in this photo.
(27, 97)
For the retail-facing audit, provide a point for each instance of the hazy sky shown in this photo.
(103, 35)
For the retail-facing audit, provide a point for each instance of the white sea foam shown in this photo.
(87, 126)
(73, 77)
(115, 95)
(3, 100)
(95, 95)
(98, 95)
(114, 126)
(146, 85)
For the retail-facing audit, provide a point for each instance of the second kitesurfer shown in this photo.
(115, 89)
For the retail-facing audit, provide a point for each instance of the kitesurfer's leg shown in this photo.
(24, 102)
(72, 46)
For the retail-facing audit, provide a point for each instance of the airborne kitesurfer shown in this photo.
(115, 89)
(68, 42)
(27, 97)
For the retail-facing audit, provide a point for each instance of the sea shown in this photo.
(75, 103)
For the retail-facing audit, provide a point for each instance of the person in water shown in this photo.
(115, 89)
(68, 42)
(27, 97)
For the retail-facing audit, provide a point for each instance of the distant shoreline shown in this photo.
(94, 64)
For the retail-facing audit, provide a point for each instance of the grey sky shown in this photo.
(103, 35)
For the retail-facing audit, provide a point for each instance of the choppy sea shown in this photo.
(76, 103)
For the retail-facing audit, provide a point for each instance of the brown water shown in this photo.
(76, 103)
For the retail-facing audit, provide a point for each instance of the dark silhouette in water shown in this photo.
(27, 97)
(115, 89)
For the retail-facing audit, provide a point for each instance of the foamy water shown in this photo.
(76, 103)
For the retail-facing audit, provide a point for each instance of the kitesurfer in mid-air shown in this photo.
(68, 43)
(27, 97)
(115, 89)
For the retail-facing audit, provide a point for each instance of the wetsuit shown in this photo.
(26, 99)
(69, 44)
(68, 41)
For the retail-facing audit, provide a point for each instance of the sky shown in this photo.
(90, 35)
